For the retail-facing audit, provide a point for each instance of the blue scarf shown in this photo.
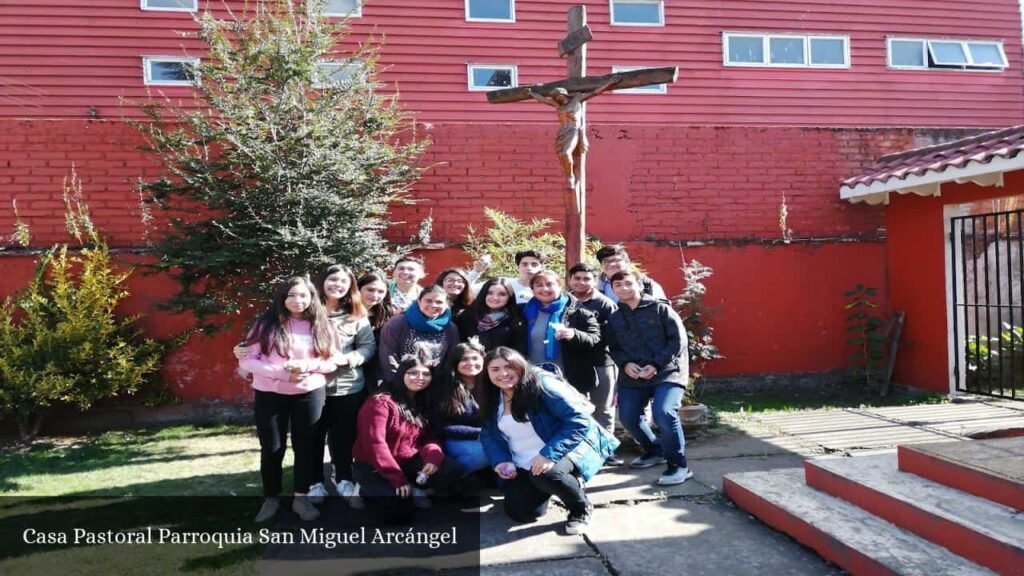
(420, 323)
(556, 310)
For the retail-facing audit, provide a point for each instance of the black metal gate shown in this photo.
(987, 264)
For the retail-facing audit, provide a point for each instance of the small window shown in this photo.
(169, 71)
(348, 8)
(790, 50)
(745, 49)
(786, 50)
(650, 89)
(488, 77)
(490, 11)
(828, 51)
(946, 54)
(170, 5)
(638, 12)
(907, 53)
(339, 74)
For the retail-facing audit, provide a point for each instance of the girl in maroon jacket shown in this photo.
(396, 456)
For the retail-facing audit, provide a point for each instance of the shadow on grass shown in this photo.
(80, 515)
(108, 450)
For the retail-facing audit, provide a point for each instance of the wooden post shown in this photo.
(576, 199)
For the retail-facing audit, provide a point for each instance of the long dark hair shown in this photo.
(526, 397)
(271, 331)
(479, 306)
(463, 299)
(379, 314)
(351, 303)
(411, 409)
(451, 395)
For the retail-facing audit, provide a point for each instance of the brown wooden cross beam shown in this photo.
(568, 97)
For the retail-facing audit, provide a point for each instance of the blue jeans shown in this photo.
(468, 455)
(667, 400)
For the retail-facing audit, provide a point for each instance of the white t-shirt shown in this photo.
(523, 441)
(523, 293)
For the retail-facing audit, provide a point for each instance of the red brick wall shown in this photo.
(654, 187)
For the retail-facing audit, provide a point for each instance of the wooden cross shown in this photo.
(568, 96)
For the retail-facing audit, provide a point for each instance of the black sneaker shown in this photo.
(578, 523)
(614, 460)
(648, 460)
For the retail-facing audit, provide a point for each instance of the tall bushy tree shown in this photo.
(285, 166)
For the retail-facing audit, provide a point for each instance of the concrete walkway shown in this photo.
(640, 528)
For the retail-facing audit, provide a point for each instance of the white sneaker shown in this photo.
(317, 493)
(420, 499)
(268, 509)
(675, 475)
(304, 509)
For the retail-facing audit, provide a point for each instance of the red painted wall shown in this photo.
(916, 262)
(776, 309)
(58, 58)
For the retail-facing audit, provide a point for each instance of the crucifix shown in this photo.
(568, 97)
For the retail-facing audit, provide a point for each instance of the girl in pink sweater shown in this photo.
(289, 352)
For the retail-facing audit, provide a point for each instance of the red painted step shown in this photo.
(843, 534)
(978, 529)
(990, 469)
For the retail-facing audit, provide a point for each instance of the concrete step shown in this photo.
(992, 469)
(855, 540)
(978, 529)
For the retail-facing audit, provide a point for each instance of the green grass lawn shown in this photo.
(175, 478)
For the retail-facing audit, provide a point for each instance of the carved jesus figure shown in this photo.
(571, 132)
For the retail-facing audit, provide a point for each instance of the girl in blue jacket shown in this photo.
(540, 439)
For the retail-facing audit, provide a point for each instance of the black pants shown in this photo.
(338, 427)
(380, 494)
(527, 496)
(274, 414)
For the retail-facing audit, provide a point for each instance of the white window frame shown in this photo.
(926, 53)
(148, 80)
(358, 65)
(766, 49)
(661, 13)
(512, 13)
(357, 13)
(469, 77)
(662, 88)
(144, 4)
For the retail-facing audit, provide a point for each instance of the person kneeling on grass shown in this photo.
(396, 457)
(648, 342)
(539, 439)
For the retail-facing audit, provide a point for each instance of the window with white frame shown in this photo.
(490, 10)
(492, 76)
(798, 50)
(649, 89)
(348, 8)
(339, 74)
(171, 5)
(922, 53)
(638, 12)
(169, 70)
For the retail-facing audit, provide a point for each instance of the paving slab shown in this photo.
(576, 567)
(742, 443)
(503, 541)
(843, 430)
(686, 537)
(963, 419)
(710, 472)
(624, 484)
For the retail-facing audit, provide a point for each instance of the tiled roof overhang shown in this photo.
(981, 159)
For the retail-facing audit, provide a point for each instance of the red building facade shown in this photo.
(700, 170)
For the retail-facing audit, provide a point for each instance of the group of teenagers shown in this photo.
(421, 391)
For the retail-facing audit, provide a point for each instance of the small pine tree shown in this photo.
(507, 235)
(60, 339)
(289, 164)
(696, 316)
